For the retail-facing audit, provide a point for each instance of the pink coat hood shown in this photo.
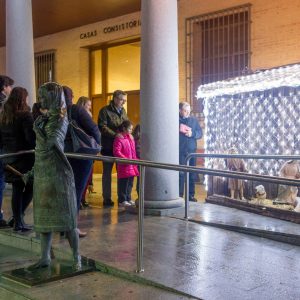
(125, 148)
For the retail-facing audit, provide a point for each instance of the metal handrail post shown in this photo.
(187, 190)
(140, 239)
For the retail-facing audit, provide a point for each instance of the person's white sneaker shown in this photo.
(124, 204)
(132, 203)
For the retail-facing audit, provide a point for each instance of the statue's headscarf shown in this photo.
(51, 96)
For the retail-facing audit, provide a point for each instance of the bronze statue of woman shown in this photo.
(54, 204)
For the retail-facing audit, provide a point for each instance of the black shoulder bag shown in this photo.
(82, 142)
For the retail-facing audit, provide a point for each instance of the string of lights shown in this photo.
(259, 81)
(257, 114)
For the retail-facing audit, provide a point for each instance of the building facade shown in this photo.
(273, 39)
(98, 58)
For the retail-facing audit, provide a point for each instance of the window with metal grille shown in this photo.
(217, 48)
(44, 63)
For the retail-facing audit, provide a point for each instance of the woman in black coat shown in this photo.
(16, 134)
(81, 168)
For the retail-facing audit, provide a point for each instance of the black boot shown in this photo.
(20, 227)
(24, 224)
(17, 226)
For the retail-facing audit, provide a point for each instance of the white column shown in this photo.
(19, 45)
(159, 101)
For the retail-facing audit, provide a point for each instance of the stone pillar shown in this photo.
(159, 101)
(19, 45)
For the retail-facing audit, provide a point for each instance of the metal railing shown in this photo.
(205, 171)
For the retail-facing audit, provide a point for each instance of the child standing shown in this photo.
(124, 147)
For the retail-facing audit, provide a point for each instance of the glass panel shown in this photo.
(124, 67)
(96, 72)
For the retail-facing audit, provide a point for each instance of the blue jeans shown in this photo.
(2, 186)
(124, 189)
(82, 170)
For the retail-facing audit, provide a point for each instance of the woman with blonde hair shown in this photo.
(86, 103)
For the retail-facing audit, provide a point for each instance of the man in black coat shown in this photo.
(109, 119)
(6, 84)
(189, 132)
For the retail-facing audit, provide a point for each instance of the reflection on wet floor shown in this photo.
(93, 285)
(207, 262)
(200, 260)
(95, 199)
(201, 211)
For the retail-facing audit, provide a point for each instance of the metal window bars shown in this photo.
(44, 63)
(217, 47)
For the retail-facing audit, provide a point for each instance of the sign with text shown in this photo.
(122, 26)
(110, 29)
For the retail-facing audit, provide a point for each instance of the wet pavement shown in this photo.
(206, 262)
(211, 213)
(94, 285)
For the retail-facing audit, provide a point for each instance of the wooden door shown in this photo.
(133, 107)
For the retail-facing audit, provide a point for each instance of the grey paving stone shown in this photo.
(207, 262)
(93, 285)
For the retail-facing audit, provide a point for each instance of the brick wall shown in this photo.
(275, 31)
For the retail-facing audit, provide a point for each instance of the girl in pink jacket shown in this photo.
(124, 147)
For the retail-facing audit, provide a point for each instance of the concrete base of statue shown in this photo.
(57, 270)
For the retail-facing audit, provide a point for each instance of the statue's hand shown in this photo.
(28, 177)
(25, 178)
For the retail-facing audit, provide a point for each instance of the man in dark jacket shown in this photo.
(6, 84)
(109, 119)
(189, 132)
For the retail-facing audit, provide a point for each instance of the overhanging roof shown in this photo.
(51, 16)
